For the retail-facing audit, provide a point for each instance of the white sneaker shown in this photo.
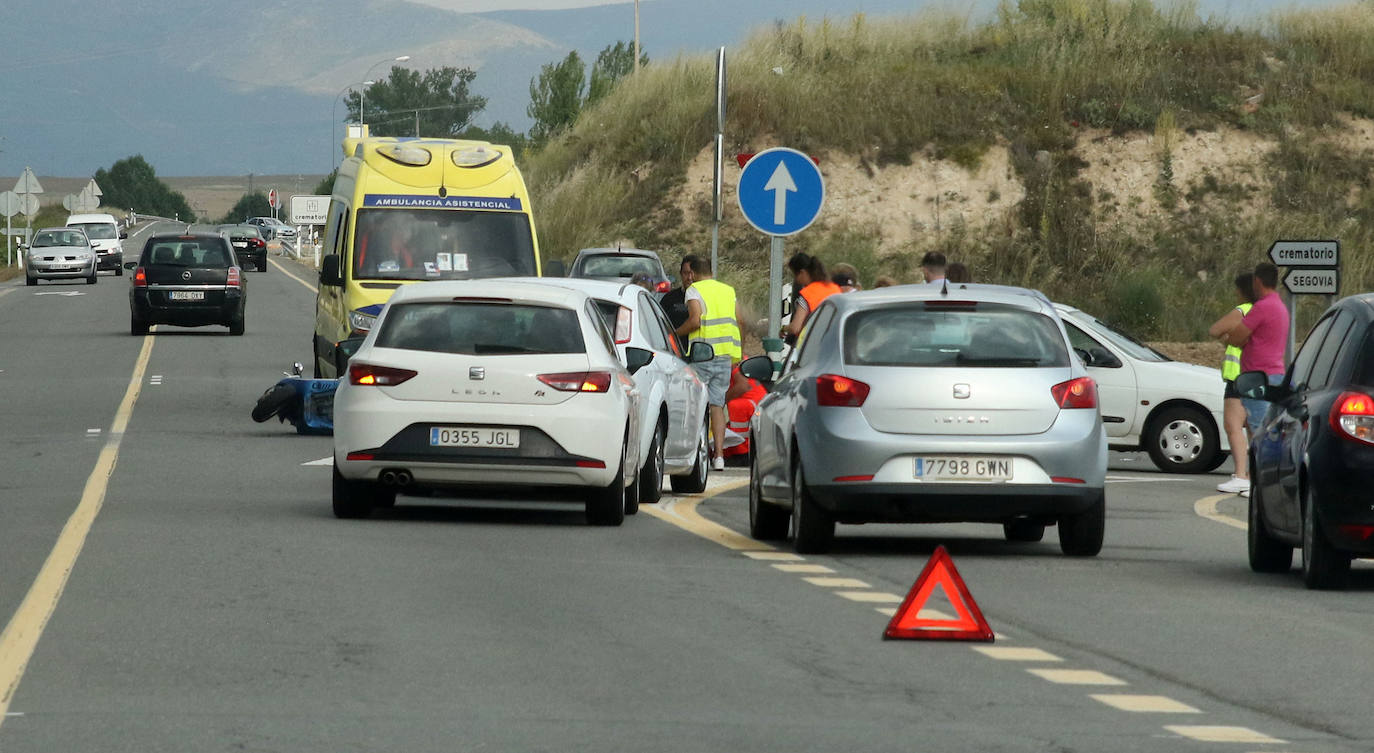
(1236, 485)
(718, 464)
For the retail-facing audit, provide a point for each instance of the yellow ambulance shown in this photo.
(409, 210)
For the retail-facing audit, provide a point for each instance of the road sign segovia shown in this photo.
(1306, 253)
(1312, 281)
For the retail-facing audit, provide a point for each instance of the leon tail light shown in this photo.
(840, 392)
(1076, 393)
(624, 322)
(1352, 417)
(663, 287)
(140, 278)
(578, 381)
(379, 376)
(235, 278)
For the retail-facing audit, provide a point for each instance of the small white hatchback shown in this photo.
(482, 384)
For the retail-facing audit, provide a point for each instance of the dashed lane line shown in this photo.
(1144, 704)
(801, 567)
(1218, 734)
(1076, 677)
(20, 637)
(870, 597)
(1016, 653)
(825, 582)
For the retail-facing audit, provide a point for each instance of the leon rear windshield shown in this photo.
(481, 328)
(441, 244)
(205, 253)
(984, 335)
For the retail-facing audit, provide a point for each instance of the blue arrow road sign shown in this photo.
(781, 191)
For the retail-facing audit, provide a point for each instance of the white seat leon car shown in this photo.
(482, 383)
(673, 423)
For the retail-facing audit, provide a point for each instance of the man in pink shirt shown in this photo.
(1262, 335)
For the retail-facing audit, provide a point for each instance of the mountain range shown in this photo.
(238, 86)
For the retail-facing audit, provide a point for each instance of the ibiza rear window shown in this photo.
(202, 253)
(976, 335)
(481, 328)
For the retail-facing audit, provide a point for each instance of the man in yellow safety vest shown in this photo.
(713, 318)
(1233, 411)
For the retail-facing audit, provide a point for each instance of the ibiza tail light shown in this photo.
(1076, 393)
(1352, 417)
(840, 392)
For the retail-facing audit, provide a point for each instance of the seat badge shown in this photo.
(961, 391)
(477, 372)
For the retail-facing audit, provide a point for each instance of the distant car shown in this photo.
(482, 383)
(189, 280)
(106, 237)
(248, 244)
(60, 252)
(673, 424)
(1312, 461)
(1169, 409)
(272, 227)
(912, 404)
(621, 264)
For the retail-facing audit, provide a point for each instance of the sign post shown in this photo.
(9, 206)
(1314, 268)
(27, 187)
(717, 171)
(781, 192)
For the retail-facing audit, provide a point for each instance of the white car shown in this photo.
(271, 227)
(481, 383)
(1169, 409)
(673, 423)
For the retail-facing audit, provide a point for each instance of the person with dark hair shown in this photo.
(1262, 336)
(933, 267)
(884, 281)
(1233, 410)
(674, 302)
(713, 318)
(813, 286)
(846, 276)
(957, 272)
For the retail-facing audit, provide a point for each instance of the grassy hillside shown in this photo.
(1047, 83)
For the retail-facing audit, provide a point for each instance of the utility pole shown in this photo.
(417, 124)
(636, 36)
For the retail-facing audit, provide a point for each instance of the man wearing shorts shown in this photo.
(713, 318)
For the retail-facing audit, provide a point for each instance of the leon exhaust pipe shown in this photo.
(403, 477)
(388, 478)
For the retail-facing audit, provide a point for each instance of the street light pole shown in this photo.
(334, 118)
(636, 36)
(397, 59)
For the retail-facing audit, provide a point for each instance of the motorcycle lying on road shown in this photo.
(308, 404)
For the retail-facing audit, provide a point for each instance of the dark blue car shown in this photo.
(1312, 461)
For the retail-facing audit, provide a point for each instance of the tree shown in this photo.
(436, 103)
(250, 205)
(614, 63)
(326, 185)
(556, 97)
(499, 133)
(131, 183)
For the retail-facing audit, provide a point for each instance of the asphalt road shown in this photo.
(214, 602)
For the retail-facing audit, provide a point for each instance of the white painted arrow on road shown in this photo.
(322, 461)
(780, 183)
(61, 292)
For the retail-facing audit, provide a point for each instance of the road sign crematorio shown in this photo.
(1305, 253)
(781, 191)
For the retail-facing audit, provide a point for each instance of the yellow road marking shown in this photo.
(771, 556)
(1016, 654)
(282, 269)
(1207, 508)
(1217, 734)
(889, 611)
(871, 597)
(1145, 704)
(836, 582)
(799, 567)
(1076, 677)
(21, 635)
(683, 514)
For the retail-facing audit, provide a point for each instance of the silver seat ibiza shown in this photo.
(930, 404)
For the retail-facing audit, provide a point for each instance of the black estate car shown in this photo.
(248, 244)
(189, 280)
(1312, 461)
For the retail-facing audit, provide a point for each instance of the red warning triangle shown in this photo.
(969, 625)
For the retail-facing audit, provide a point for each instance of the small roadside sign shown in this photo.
(272, 200)
(1302, 281)
(1305, 253)
(781, 191)
(28, 183)
(10, 203)
(309, 210)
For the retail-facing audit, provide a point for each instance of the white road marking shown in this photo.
(1207, 508)
(1140, 479)
(67, 293)
(329, 461)
(1217, 734)
(789, 567)
(777, 556)
(888, 611)
(92, 432)
(1016, 654)
(836, 582)
(1076, 677)
(1145, 704)
(871, 597)
(14, 713)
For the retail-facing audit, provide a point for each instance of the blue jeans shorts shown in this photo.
(1255, 409)
(716, 374)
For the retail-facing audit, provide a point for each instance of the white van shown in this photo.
(106, 237)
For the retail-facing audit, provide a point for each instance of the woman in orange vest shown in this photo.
(809, 277)
(740, 401)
